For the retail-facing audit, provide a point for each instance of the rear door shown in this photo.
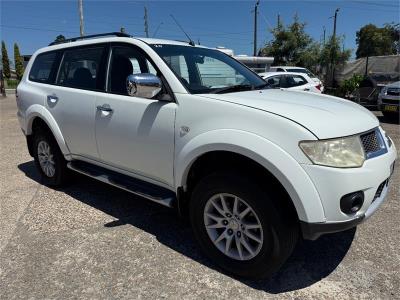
(72, 100)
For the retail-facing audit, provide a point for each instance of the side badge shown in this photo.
(184, 130)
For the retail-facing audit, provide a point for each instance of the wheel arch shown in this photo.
(260, 152)
(37, 114)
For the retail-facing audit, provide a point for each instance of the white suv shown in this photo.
(189, 127)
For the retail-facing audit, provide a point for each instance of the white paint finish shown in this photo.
(75, 113)
(138, 135)
(325, 116)
(310, 86)
(143, 137)
(333, 183)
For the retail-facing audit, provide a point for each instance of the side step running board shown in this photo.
(136, 186)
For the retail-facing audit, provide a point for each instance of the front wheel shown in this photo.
(238, 226)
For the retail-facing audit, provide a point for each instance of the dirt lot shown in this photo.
(93, 241)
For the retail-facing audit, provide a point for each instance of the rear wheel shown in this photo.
(238, 226)
(49, 159)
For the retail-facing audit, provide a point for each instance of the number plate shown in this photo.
(390, 108)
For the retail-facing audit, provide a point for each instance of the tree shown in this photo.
(373, 41)
(5, 61)
(19, 63)
(394, 30)
(288, 43)
(60, 38)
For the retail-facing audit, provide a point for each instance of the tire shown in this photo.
(279, 235)
(41, 140)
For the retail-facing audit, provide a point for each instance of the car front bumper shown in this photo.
(372, 179)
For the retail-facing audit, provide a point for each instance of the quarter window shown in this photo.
(81, 69)
(42, 67)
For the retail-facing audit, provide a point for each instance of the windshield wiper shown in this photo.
(233, 88)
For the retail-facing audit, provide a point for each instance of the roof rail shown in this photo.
(119, 34)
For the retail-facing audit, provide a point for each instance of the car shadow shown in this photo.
(310, 262)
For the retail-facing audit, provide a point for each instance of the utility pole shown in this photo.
(333, 45)
(255, 27)
(146, 23)
(80, 5)
(279, 21)
(324, 33)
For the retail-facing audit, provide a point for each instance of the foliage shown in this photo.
(373, 41)
(332, 53)
(5, 60)
(11, 83)
(289, 43)
(348, 86)
(19, 62)
(60, 38)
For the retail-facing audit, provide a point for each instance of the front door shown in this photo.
(134, 134)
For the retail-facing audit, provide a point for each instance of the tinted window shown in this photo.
(81, 69)
(274, 81)
(295, 80)
(42, 67)
(126, 60)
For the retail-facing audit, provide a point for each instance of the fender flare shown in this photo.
(278, 162)
(41, 112)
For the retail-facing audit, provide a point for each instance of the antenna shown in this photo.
(180, 27)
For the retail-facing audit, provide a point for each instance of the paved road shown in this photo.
(94, 241)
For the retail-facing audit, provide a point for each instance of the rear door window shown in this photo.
(83, 68)
(43, 67)
(295, 80)
(274, 81)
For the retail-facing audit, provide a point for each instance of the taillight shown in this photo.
(318, 86)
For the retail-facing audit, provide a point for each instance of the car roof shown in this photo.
(288, 67)
(269, 74)
(108, 39)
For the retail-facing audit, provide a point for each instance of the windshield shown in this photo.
(203, 70)
(304, 71)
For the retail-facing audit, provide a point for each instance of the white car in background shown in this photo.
(298, 70)
(291, 81)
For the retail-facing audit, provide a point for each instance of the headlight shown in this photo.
(384, 91)
(344, 152)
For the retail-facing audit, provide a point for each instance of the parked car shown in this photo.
(298, 70)
(389, 100)
(191, 128)
(291, 81)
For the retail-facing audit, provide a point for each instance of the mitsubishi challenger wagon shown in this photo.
(253, 168)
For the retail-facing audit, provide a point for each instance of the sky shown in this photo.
(34, 24)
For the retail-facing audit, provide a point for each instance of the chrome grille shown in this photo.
(373, 143)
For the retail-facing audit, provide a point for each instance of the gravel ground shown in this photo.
(90, 241)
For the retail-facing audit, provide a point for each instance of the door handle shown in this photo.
(307, 89)
(104, 107)
(52, 99)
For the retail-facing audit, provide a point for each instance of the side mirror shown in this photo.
(144, 85)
